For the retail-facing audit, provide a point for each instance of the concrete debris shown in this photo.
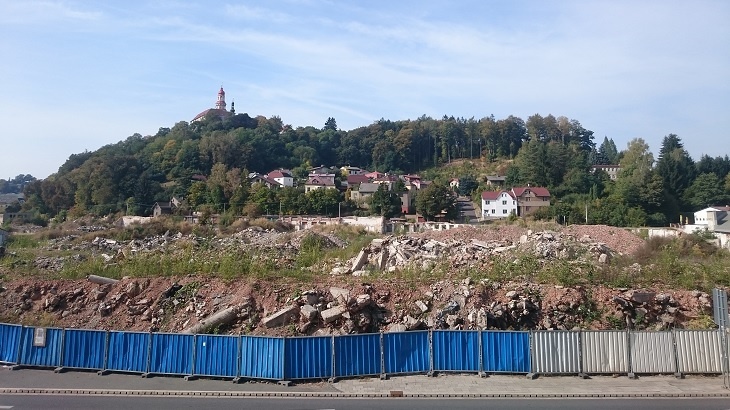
(282, 317)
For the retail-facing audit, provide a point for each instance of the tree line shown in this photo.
(555, 152)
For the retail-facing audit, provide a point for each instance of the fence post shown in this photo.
(237, 379)
(631, 374)
(581, 373)
(531, 341)
(482, 373)
(194, 354)
(149, 356)
(430, 353)
(677, 373)
(283, 360)
(61, 346)
(334, 358)
(106, 356)
(383, 376)
(20, 348)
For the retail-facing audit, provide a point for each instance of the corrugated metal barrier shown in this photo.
(556, 351)
(41, 347)
(128, 352)
(262, 357)
(9, 343)
(506, 352)
(406, 352)
(357, 355)
(455, 350)
(171, 354)
(652, 352)
(698, 351)
(605, 351)
(308, 357)
(273, 358)
(84, 349)
(217, 355)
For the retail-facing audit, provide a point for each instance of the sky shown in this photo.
(78, 75)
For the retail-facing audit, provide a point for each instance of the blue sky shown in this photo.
(77, 75)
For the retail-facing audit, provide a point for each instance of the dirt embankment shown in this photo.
(342, 304)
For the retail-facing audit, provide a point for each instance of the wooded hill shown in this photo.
(554, 152)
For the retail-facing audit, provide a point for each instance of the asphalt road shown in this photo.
(22, 402)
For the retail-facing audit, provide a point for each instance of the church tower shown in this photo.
(221, 103)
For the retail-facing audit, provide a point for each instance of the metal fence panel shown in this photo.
(652, 352)
(84, 349)
(48, 355)
(171, 354)
(262, 357)
(698, 351)
(605, 351)
(128, 351)
(406, 352)
(505, 352)
(308, 357)
(9, 342)
(216, 355)
(455, 350)
(357, 355)
(556, 351)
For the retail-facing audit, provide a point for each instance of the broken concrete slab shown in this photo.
(360, 260)
(332, 314)
(281, 317)
(308, 313)
(340, 295)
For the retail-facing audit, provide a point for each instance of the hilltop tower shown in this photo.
(221, 103)
(219, 110)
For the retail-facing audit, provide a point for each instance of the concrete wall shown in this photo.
(370, 223)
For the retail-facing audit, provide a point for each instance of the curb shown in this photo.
(175, 393)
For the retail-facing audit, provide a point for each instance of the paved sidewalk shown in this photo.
(44, 381)
(543, 386)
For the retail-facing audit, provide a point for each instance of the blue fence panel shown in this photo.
(128, 351)
(357, 355)
(406, 352)
(216, 355)
(455, 350)
(171, 354)
(262, 357)
(9, 342)
(506, 352)
(84, 349)
(48, 355)
(308, 357)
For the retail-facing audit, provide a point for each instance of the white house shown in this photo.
(282, 176)
(498, 204)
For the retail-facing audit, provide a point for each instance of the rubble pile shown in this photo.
(642, 309)
(401, 252)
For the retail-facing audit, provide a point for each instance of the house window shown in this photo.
(487, 202)
(513, 202)
(494, 211)
(504, 202)
(504, 211)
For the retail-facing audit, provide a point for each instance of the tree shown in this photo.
(705, 191)
(675, 167)
(608, 154)
(436, 200)
(330, 124)
(467, 185)
(385, 202)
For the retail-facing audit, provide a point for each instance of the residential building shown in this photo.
(530, 199)
(495, 180)
(714, 213)
(361, 195)
(320, 181)
(348, 170)
(282, 176)
(498, 204)
(166, 208)
(611, 170)
(255, 177)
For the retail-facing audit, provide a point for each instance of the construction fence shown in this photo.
(379, 354)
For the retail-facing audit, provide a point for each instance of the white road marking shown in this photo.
(6, 407)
